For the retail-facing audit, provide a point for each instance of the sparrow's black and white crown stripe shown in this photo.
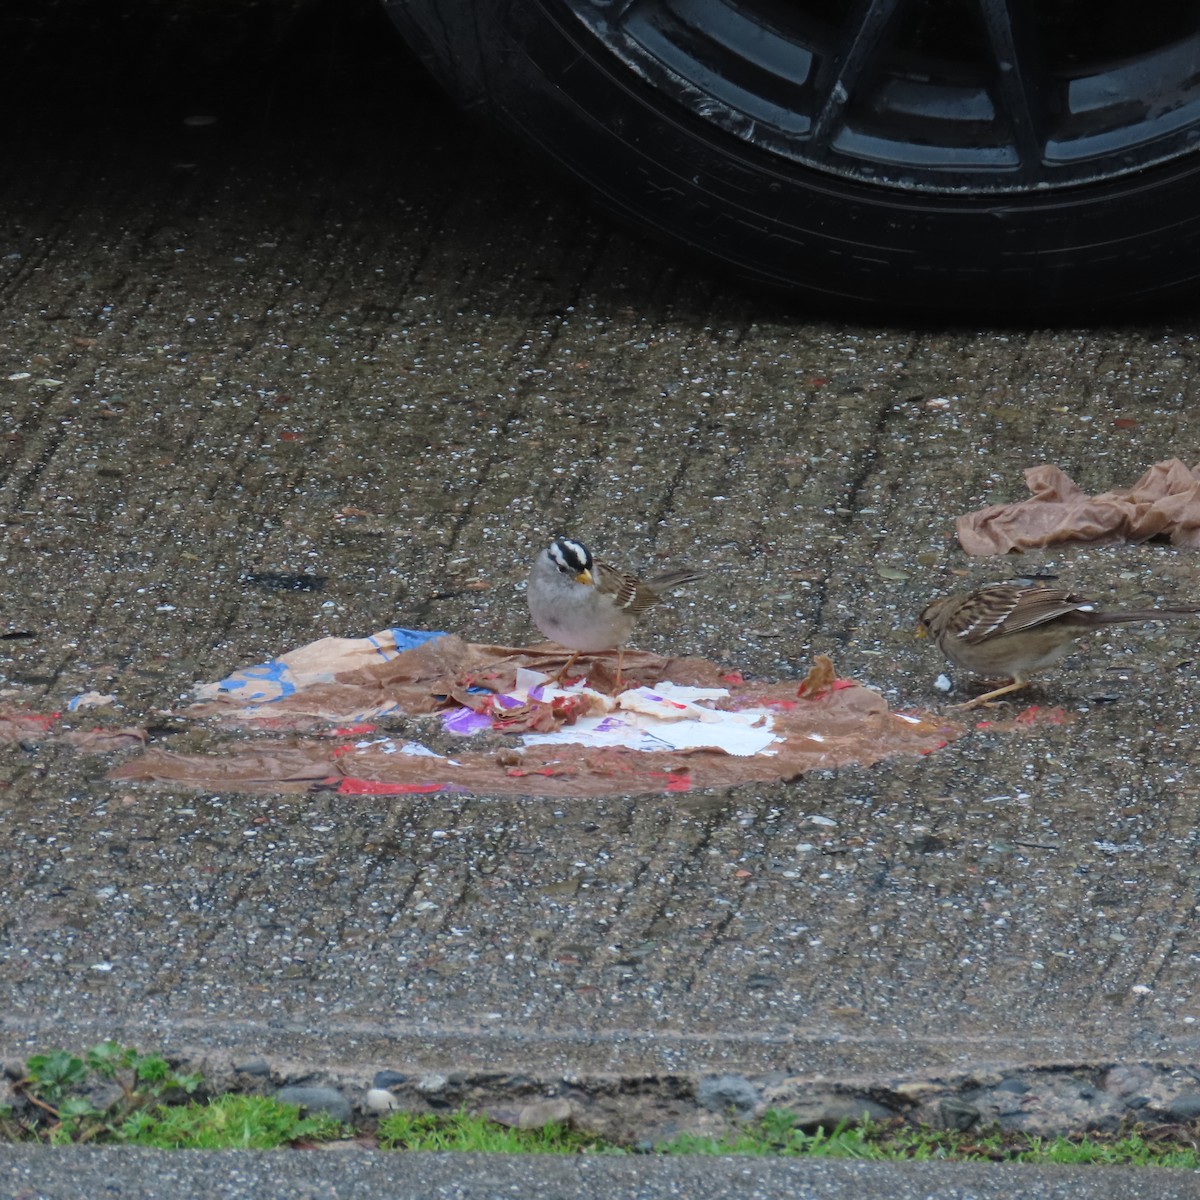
(571, 557)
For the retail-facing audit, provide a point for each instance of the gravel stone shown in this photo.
(959, 1115)
(388, 1079)
(1128, 1079)
(1185, 1107)
(317, 1099)
(544, 1112)
(1018, 1087)
(721, 1093)
(380, 1100)
(253, 1066)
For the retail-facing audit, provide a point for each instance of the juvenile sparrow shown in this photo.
(1008, 631)
(587, 605)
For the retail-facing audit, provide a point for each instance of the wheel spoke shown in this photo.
(1017, 77)
(865, 37)
(992, 96)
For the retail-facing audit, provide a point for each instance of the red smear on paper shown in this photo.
(672, 781)
(351, 730)
(350, 786)
(16, 726)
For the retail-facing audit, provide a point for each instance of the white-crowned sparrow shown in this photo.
(587, 605)
(1008, 631)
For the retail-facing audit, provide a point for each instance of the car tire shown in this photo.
(644, 144)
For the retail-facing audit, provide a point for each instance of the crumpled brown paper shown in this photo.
(1165, 502)
(845, 723)
(20, 727)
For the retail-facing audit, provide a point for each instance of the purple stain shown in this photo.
(509, 702)
(608, 724)
(465, 721)
(538, 692)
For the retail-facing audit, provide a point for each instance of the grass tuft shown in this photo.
(464, 1131)
(230, 1122)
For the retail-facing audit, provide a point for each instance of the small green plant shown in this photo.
(776, 1133)
(73, 1099)
(114, 1093)
(466, 1131)
(231, 1122)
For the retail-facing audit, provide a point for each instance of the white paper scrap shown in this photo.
(665, 702)
(739, 733)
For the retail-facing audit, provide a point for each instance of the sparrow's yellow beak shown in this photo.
(584, 576)
(920, 632)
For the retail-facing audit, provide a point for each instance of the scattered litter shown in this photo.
(1164, 503)
(105, 741)
(942, 683)
(820, 678)
(668, 718)
(17, 726)
(678, 725)
(1034, 716)
(90, 700)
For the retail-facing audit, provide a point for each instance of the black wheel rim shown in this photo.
(932, 95)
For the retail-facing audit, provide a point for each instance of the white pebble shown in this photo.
(380, 1100)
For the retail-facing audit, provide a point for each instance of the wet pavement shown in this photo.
(231, 1175)
(309, 354)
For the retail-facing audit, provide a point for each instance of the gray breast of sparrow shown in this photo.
(1008, 631)
(585, 604)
